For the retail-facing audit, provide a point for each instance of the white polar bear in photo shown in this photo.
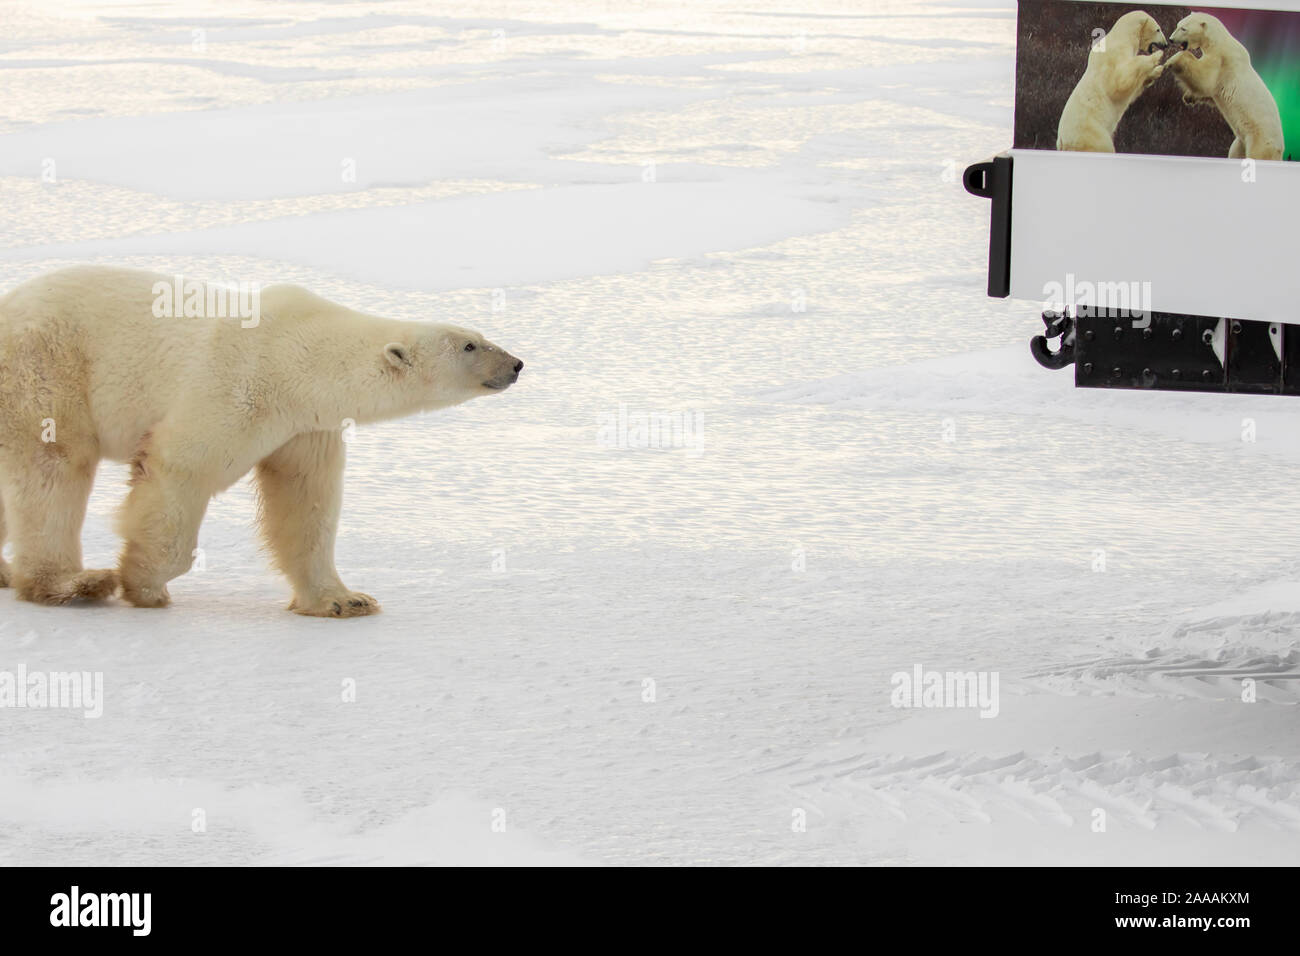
(1120, 66)
(1223, 74)
(89, 370)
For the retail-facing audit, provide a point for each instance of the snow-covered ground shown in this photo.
(744, 217)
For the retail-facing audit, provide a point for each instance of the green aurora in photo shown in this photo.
(1273, 39)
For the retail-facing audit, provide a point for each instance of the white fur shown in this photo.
(194, 404)
(1223, 74)
(1115, 77)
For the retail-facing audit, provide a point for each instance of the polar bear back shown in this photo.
(86, 329)
(94, 337)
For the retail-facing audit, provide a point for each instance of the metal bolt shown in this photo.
(1087, 368)
(1146, 333)
(1089, 335)
(1119, 330)
(1206, 375)
(1115, 373)
(1176, 374)
(1207, 336)
(1177, 333)
(1236, 328)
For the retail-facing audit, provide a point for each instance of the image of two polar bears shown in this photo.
(1209, 65)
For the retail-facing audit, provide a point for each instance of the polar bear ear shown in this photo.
(398, 355)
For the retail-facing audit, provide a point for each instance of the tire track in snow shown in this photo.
(1203, 790)
(1207, 659)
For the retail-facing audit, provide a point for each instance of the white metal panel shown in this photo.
(1199, 239)
(1283, 5)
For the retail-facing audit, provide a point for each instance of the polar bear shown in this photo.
(1117, 74)
(1223, 75)
(91, 367)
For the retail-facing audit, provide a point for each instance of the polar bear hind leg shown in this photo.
(1261, 147)
(301, 490)
(44, 487)
(1088, 137)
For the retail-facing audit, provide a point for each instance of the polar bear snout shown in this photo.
(485, 367)
(507, 373)
(1153, 35)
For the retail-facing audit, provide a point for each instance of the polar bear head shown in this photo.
(454, 363)
(1196, 31)
(369, 368)
(1136, 32)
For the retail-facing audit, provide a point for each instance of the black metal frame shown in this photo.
(992, 180)
(1165, 351)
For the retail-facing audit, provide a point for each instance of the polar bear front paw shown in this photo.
(341, 604)
(145, 595)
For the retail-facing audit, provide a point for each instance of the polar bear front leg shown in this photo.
(1194, 77)
(1136, 75)
(160, 523)
(301, 488)
(1150, 68)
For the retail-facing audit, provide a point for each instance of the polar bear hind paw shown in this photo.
(345, 604)
(75, 588)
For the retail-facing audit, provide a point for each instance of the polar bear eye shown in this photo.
(469, 346)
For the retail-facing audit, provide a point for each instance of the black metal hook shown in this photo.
(1057, 325)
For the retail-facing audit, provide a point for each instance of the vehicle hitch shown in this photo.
(1058, 325)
